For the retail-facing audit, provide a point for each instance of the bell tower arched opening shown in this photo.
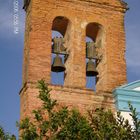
(59, 29)
(94, 37)
(90, 80)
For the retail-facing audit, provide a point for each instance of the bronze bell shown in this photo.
(57, 65)
(91, 69)
(91, 50)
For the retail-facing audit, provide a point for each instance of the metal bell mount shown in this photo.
(91, 50)
(58, 46)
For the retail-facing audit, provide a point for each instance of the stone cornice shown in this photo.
(67, 89)
(123, 7)
(26, 4)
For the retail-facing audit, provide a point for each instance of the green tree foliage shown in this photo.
(136, 122)
(107, 127)
(65, 124)
(62, 124)
(5, 136)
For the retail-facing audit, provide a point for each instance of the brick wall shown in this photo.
(109, 14)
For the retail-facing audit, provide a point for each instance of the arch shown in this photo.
(94, 31)
(60, 24)
(60, 29)
(95, 35)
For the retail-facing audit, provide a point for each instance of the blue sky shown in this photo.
(11, 55)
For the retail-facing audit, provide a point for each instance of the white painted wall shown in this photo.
(127, 116)
(137, 89)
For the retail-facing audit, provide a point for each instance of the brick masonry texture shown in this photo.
(107, 17)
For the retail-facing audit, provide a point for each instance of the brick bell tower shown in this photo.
(100, 20)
